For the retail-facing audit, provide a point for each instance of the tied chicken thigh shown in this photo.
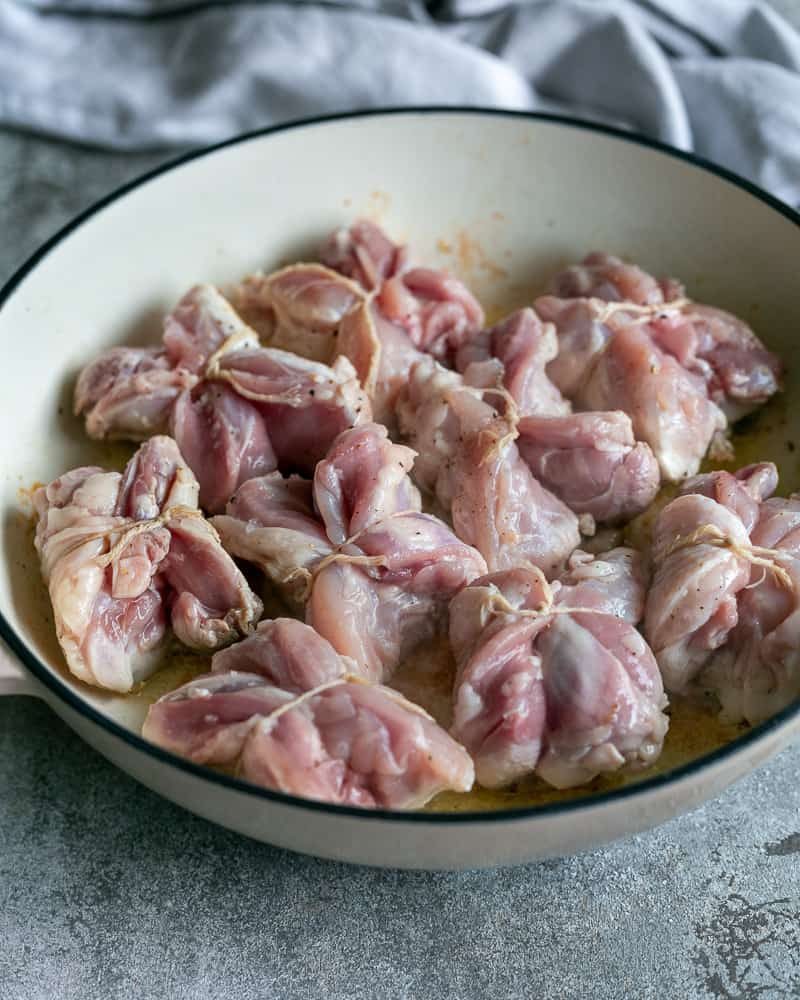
(604, 276)
(692, 605)
(374, 573)
(724, 610)
(591, 461)
(681, 370)
(124, 555)
(469, 461)
(364, 253)
(515, 354)
(610, 359)
(739, 372)
(321, 314)
(364, 302)
(554, 679)
(436, 310)
(760, 674)
(129, 393)
(284, 708)
(237, 410)
(300, 308)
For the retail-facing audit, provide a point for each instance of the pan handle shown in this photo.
(13, 679)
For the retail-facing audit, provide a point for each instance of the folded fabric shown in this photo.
(721, 77)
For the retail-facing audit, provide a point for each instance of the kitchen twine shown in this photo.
(130, 529)
(308, 575)
(710, 534)
(605, 310)
(500, 606)
(707, 534)
(346, 678)
(510, 415)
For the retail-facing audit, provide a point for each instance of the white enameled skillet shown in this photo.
(503, 199)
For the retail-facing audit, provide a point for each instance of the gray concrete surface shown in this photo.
(108, 892)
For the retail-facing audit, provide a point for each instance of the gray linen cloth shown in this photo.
(721, 77)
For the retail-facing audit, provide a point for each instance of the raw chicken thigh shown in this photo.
(364, 303)
(515, 354)
(388, 592)
(237, 410)
(224, 439)
(374, 574)
(761, 675)
(364, 253)
(680, 370)
(498, 506)
(692, 604)
(427, 419)
(592, 462)
(554, 679)
(740, 374)
(298, 721)
(322, 314)
(469, 460)
(724, 610)
(437, 311)
(299, 308)
(669, 411)
(363, 480)
(604, 276)
(411, 312)
(287, 654)
(124, 555)
(382, 354)
(129, 393)
(271, 522)
(612, 361)
(305, 405)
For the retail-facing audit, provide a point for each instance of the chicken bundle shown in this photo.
(469, 460)
(293, 715)
(682, 371)
(723, 612)
(374, 574)
(554, 679)
(364, 302)
(125, 555)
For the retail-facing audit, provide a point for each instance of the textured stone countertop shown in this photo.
(107, 891)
